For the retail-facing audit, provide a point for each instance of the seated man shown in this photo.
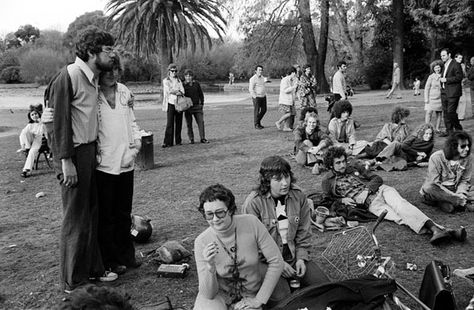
(448, 182)
(342, 129)
(285, 211)
(310, 142)
(353, 185)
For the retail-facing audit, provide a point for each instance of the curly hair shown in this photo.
(420, 131)
(342, 106)
(305, 110)
(34, 108)
(273, 166)
(399, 113)
(332, 153)
(217, 192)
(91, 39)
(452, 142)
(95, 297)
(311, 115)
(436, 63)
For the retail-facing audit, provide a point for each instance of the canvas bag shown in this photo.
(436, 290)
(183, 103)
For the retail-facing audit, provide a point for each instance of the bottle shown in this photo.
(294, 284)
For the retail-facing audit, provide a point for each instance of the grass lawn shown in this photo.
(168, 194)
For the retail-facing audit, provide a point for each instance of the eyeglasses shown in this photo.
(220, 214)
(108, 49)
(173, 70)
(463, 146)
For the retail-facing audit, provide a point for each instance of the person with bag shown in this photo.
(352, 184)
(230, 272)
(172, 89)
(192, 90)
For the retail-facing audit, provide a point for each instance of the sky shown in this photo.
(43, 14)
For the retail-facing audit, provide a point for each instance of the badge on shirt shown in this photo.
(356, 173)
(297, 219)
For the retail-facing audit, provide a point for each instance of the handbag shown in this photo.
(183, 103)
(436, 290)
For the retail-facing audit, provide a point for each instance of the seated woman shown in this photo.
(310, 142)
(231, 274)
(342, 131)
(31, 138)
(416, 148)
(397, 130)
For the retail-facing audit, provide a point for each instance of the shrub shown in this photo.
(40, 65)
(11, 74)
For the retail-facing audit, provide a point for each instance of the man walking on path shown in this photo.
(395, 82)
(259, 96)
(339, 81)
(451, 91)
(73, 95)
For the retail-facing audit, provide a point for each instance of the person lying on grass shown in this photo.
(354, 185)
(448, 181)
(416, 148)
(228, 256)
(310, 142)
(284, 209)
(396, 130)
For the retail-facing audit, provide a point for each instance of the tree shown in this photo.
(166, 26)
(398, 33)
(95, 18)
(27, 33)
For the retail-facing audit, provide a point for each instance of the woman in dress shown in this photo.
(231, 274)
(307, 88)
(172, 88)
(433, 95)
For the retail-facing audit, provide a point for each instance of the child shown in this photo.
(31, 137)
(416, 87)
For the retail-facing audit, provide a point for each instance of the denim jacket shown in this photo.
(298, 212)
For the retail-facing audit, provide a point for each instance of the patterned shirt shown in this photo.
(349, 186)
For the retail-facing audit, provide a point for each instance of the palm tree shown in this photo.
(167, 26)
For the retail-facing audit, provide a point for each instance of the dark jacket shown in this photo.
(454, 76)
(412, 145)
(193, 90)
(370, 179)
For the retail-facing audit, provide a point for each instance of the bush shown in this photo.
(11, 74)
(39, 65)
(9, 59)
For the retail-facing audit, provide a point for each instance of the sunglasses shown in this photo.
(173, 70)
(463, 146)
(220, 214)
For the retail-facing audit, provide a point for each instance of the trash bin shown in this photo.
(145, 159)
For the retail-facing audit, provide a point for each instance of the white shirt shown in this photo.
(339, 84)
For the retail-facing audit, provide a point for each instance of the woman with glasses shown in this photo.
(119, 142)
(230, 271)
(172, 88)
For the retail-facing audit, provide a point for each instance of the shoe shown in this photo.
(287, 129)
(119, 269)
(399, 97)
(108, 276)
(458, 234)
(446, 207)
(165, 145)
(25, 173)
(204, 141)
(191, 141)
(440, 236)
(469, 207)
(278, 125)
(258, 127)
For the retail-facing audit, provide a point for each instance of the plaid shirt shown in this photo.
(349, 186)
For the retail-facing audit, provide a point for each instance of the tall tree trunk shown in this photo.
(165, 53)
(307, 32)
(323, 46)
(397, 11)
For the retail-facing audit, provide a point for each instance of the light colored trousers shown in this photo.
(399, 209)
(32, 142)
